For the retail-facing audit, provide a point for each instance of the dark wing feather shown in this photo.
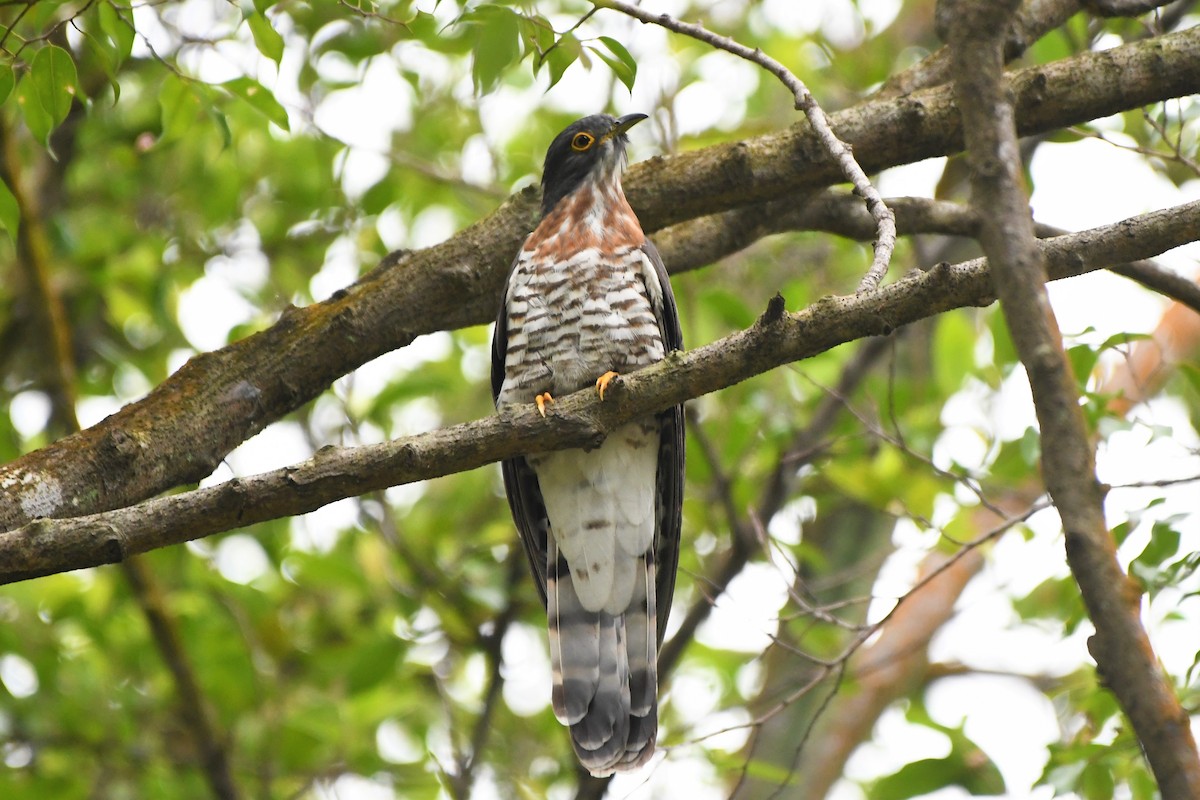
(520, 482)
(670, 455)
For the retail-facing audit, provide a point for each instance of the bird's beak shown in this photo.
(625, 123)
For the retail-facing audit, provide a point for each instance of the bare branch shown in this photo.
(885, 221)
(1120, 646)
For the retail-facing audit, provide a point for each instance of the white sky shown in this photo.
(1011, 721)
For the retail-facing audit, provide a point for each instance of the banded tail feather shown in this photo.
(604, 669)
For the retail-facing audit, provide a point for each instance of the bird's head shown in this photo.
(590, 149)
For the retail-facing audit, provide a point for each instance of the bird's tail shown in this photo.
(605, 670)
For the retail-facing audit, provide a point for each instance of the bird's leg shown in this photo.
(541, 400)
(604, 380)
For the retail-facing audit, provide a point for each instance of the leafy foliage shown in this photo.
(189, 170)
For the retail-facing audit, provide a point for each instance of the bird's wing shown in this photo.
(671, 444)
(520, 482)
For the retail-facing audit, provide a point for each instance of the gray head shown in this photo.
(587, 146)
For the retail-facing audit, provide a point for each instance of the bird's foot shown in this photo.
(542, 400)
(604, 380)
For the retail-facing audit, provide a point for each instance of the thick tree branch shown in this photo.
(47, 546)
(1035, 19)
(179, 433)
(885, 221)
(1120, 645)
(1123, 8)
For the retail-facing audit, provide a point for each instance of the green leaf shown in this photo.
(373, 663)
(39, 122)
(565, 53)
(119, 32)
(1120, 341)
(10, 212)
(914, 779)
(222, 124)
(1031, 446)
(8, 80)
(105, 55)
(1083, 361)
(179, 106)
(1004, 352)
(954, 351)
(259, 98)
(537, 35)
(1096, 782)
(1054, 599)
(1163, 544)
(624, 66)
(55, 81)
(266, 38)
(497, 44)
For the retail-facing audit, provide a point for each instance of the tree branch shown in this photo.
(843, 215)
(181, 431)
(47, 546)
(885, 221)
(1123, 8)
(1120, 645)
(1035, 19)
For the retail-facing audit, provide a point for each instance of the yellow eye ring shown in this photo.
(582, 141)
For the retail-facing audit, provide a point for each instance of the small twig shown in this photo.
(365, 13)
(541, 54)
(885, 221)
(968, 481)
(1175, 143)
(1177, 155)
(769, 546)
(8, 29)
(1159, 484)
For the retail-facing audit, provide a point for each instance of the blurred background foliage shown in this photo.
(175, 173)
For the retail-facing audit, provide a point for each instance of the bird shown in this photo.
(587, 299)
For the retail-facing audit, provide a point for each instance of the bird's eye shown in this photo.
(582, 141)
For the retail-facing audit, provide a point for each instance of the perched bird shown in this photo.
(588, 298)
